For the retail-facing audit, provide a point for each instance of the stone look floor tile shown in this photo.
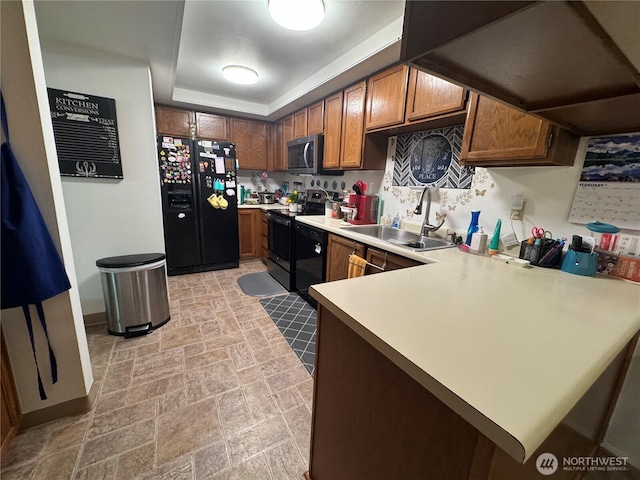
(255, 468)
(136, 462)
(121, 417)
(285, 462)
(57, 466)
(299, 422)
(235, 414)
(259, 437)
(163, 414)
(188, 429)
(211, 460)
(117, 442)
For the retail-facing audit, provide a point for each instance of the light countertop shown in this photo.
(270, 206)
(510, 349)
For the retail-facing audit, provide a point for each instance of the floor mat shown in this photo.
(260, 284)
(296, 319)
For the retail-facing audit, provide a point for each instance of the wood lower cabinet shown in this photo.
(338, 251)
(498, 135)
(9, 409)
(390, 261)
(315, 118)
(250, 138)
(264, 237)
(174, 121)
(214, 127)
(340, 248)
(386, 94)
(249, 232)
(300, 123)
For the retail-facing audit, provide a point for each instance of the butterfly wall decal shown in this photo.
(440, 216)
(409, 213)
(452, 207)
(480, 193)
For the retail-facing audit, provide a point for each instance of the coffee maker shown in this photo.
(367, 206)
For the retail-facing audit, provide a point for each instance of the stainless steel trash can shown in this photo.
(135, 293)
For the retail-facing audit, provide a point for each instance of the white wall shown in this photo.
(110, 217)
(31, 135)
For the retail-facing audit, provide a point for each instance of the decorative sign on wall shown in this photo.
(431, 158)
(86, 134)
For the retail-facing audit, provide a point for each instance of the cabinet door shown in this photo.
(287, 136)
(390, 261)
(353, 126)
(214, 127)
(430, 96)
(9, 409)
(251, 143)
(300, 123)
(496, 132)
(264, 237)
(174, 121)
(247, 231)
(332, 131)
(315, 118)
(386, 96)
(274, 159)
(338, 251)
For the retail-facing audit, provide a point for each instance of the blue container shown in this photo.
(580, 263)
(473, 226)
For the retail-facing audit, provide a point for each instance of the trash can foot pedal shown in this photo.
(137, 330)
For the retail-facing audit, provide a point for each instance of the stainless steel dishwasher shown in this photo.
(311, 259)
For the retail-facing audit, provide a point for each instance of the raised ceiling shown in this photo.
(187, 43)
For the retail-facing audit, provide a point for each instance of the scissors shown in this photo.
(539, 232)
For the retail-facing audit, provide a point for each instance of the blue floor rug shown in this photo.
(296, 320)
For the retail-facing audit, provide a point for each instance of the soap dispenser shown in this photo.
(473, 226)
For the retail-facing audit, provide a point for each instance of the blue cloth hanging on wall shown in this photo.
(32, 270)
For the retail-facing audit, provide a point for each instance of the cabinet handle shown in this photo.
(550, 140)
(181, 215)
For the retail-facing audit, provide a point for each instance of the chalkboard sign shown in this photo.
(86, 134)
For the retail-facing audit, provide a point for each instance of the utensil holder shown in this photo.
(580, 263)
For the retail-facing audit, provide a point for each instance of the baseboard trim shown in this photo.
(69, 408)
(94, 318)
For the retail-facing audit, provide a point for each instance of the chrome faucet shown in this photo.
(426, 226)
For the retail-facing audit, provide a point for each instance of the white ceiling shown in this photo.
(186, 44)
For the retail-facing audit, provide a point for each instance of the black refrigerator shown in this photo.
(199, 204)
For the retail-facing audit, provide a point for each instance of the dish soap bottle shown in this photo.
(396, 220)
(473, 226)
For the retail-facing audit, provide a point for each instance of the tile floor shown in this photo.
(217, 393)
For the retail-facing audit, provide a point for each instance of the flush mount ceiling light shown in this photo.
(240, 75)
(297, 14)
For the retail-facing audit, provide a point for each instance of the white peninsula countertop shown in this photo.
(510, 349)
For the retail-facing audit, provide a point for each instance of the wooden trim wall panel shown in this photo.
(214, 127)
(174, 121)
(300, 123)
(10, 407)
(429, 96)
(332, 130)
(353, 126)
(315, 118)
(386, 98)
(371, 420)
(338, 251)
(264, 237)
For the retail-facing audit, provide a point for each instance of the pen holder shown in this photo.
(580, 263)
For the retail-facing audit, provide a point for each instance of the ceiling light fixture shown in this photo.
(297, 15)
(239, 74)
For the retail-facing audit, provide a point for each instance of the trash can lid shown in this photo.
(130, 260)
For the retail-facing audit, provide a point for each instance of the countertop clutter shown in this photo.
(528, 342)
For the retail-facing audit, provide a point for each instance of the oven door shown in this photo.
(280, 234)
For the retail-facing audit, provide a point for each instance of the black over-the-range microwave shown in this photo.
(304, 156)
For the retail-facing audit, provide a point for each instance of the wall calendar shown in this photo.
(609, 186)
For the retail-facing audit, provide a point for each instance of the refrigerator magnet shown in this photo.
(231, 184)
(231, 192)
(219, 165)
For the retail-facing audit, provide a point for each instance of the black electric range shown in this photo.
(281, 258)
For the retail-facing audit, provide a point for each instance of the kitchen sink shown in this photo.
(402, 238)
